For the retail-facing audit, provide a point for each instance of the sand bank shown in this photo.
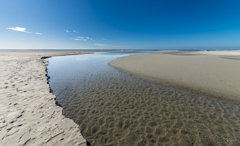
(211, 73)
(28, 113)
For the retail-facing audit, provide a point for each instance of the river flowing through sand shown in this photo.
(113, 108)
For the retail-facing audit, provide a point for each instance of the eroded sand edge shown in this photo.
(28, 113)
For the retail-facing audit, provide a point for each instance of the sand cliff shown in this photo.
(28, 113)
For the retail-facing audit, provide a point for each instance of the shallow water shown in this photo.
(113, 108)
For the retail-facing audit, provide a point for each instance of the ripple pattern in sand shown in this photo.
(115, 109)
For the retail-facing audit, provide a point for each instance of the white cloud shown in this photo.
(101, 45)
(39, 33)
(74, 30)
(67, 31)
(21, 29)
(81, 38)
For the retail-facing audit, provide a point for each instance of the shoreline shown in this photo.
(188, 71)
(28, 111)
(17, 114)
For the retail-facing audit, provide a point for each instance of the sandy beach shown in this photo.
(113, 108)
(210, 73)
(28, 113)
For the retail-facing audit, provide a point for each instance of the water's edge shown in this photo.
(45, 62)
(163, 83)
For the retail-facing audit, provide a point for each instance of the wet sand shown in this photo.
(210, 73)
(28, 113)
(115, 109)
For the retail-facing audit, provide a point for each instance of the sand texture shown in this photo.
(28, 113)
(211, 73)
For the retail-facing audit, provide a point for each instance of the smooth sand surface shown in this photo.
(212, 73)
(28, 113)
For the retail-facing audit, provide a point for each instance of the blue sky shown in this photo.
(125, 24)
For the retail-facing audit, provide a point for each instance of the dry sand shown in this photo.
(211, 73)
(28, 113)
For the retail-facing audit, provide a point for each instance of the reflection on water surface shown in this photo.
(113, 108)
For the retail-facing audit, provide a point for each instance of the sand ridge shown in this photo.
(28, 113)
(211, 73)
